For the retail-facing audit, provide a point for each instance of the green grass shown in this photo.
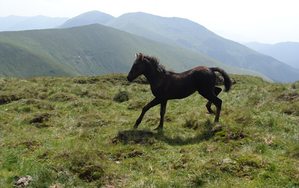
(71, 132)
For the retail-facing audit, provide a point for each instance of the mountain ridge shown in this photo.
(193, 36)
(287, 52)
(201, 40)
(20, 23)
(97, 49)
(183, 33)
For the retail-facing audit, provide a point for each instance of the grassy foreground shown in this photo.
(71, 132)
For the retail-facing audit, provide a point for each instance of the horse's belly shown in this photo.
(181, 93)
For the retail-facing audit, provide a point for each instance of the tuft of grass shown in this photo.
(121, 96)
(62, 97)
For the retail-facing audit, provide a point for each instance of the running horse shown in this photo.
(167, 85)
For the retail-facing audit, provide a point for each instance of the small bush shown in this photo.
(121, 96)
(40, 120)
(91, 173)
(228, 133)
(7, 98)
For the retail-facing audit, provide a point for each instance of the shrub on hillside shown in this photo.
(122, 96)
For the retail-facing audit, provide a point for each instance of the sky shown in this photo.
(264, 21)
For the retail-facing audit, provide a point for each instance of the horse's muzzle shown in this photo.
(130, 79)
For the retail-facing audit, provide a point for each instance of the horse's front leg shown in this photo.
(154, 102)
(162, 113)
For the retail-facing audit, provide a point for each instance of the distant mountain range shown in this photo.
(18, 23)
(187, 34)
(287, 52)
(171, 34)
(90, 50)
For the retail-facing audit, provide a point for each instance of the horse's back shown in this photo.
(202, 78)
(180, 85)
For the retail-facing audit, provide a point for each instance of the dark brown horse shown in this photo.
(166, 85)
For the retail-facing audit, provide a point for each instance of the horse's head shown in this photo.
(137, 68)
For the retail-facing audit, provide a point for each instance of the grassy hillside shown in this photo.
(91, 50)
(71, 132)
(21, 62)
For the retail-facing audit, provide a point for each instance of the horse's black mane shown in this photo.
(155, 61)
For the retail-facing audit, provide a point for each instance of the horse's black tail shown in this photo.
(227, 80)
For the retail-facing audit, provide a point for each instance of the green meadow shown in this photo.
(78, 132)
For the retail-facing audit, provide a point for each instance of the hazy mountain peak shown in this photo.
(287, 52)
(17, 23)
(88, 18)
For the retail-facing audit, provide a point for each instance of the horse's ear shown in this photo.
(139, 56)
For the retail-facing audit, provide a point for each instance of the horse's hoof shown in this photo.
(135, 127)
(158, 128)
(210, 112)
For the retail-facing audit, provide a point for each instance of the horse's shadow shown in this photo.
(150, 137)
(180, 141)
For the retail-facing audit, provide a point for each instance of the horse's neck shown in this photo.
(153, 76)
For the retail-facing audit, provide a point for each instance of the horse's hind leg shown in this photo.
(217, 90)
(218, 104)
(215, 100)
